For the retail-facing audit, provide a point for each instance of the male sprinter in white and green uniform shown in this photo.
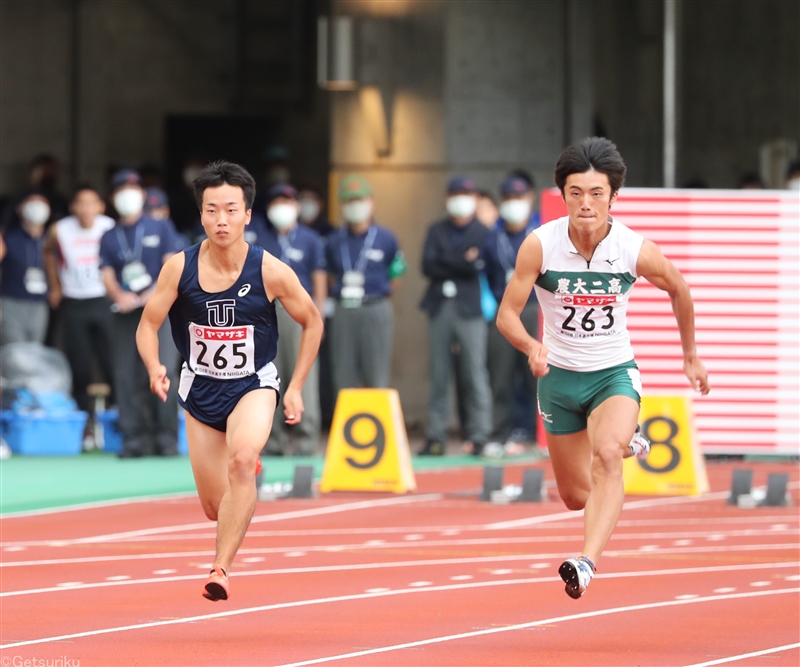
(583, 267)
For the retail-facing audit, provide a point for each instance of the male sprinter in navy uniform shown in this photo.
(583, 267)
(220, 296)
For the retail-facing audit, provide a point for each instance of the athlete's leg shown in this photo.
(248, 429)
(610, 428)
(571, 457)
(208, 454)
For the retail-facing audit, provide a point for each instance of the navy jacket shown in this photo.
(443, 260)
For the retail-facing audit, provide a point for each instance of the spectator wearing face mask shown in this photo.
(24, 283)
(311, 211)
(452, 261)
(131, 257)
(156, 204)
(301, 248)
(506, 364)
(72, 259)
(364, 262)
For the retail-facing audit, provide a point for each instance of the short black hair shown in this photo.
(588, 154)
(224, 173)
(82, 187)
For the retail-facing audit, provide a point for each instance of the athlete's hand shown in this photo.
(159, 382)
(537, 360)
(293, 406)
(697, 374)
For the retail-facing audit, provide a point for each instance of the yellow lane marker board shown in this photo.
(675, 466)
(368, 446)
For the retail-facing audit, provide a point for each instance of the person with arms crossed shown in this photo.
(220, 297)
(583, 267)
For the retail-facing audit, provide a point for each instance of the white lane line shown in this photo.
(450, 531)
(761, 584)
(412, 563)
(355, 547)
(119, 577)
(377, 590)
(522, 626)
(100, 504)
(689, 596)
(744, 656)
(164, 571)
(402, 591)
(633, 504)
(461, 577)
(280, 516)
(501, 572)
(727, 589)
(420, 584)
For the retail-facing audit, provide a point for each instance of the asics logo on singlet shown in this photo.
(245, 289)
(220, 313)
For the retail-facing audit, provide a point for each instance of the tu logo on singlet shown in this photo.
(221, 313)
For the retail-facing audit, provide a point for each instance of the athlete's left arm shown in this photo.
(153, 316)
(281, 282)
(658, 270)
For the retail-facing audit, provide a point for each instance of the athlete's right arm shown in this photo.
(518, 290)
(153, 316)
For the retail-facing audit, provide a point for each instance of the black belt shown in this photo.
(368, 299)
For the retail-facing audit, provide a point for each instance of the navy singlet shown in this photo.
(227, 339)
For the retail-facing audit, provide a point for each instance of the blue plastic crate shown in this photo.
(37, 434)
(112, 438)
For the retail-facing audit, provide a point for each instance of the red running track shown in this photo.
(434, 578)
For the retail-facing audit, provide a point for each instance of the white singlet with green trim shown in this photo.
(585, 304)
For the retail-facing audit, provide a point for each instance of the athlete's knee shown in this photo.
(609, 457)
(242, 464)
(574, 499)
(210, 509)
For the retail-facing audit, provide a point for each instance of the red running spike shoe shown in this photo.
(217, 587)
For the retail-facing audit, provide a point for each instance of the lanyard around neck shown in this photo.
(361, 264)
(137, 244)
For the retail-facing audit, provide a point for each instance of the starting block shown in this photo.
(740, 485)
(743, 495)
(302, 486)
(777, 483)
(532, 490)
(493, 489)
(492, 481)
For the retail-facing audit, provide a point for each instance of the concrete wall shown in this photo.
(36, 76)
(137, 61)
(471, 87)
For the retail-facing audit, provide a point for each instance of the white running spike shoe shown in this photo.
(577, 573)
(639, 445)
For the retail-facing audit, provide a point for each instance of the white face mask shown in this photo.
(309, 209)
(794, 184)
(515, 211)
(35, 212)
(282, 215)
(462, 206)
(129, 202)
(356, 212)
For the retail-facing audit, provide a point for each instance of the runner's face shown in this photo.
(86, 206)
(588, 197)
(224, 214)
